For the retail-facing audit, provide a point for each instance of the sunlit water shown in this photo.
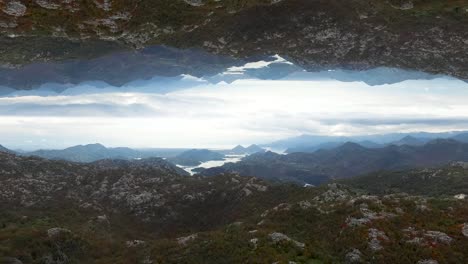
(214, 163)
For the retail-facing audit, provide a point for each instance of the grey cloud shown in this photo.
(93, 109)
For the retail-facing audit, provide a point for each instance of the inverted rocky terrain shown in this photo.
(428, 36)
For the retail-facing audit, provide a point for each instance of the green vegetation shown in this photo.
(446, 181)
(226, 218)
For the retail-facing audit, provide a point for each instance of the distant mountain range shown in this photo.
(119, 68)
(312, 143)
(331, 145)
(94, 152)
(463, 137)
(162, 64)
(407, 140)
(347, 160)
(410, 141)
(241, 150)
(87, 153)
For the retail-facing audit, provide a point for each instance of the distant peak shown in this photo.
(239, 147)
(95, 146)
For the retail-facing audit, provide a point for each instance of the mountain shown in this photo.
(347, 160)
(305, 141)
(3, 149)
(272, 166)
(410, 141)
(327, 145)
(296, 29)
(144, 211)
(376, 76)
(463, 137)
(331, 145)
(160, 69)
(152, 65)
(369, 144)
(315, 142)
(240, 150)
(195, 157)
(94, 152)
(254, 149)
(87, 153)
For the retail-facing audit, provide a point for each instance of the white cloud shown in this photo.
(221, 115)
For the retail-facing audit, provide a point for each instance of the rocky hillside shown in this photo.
(320, 34)
(448, 180)
(152, 191)
(3, 149)
(145, 212)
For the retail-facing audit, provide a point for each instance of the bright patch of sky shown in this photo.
(224, 115)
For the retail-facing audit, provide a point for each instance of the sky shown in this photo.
(200, 114)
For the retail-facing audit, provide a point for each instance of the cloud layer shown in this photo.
(222, 115)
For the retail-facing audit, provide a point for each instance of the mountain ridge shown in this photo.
(3, 149)
(313, 142)
(347, 160)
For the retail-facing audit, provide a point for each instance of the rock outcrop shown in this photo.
(150, 190)
(277, 237)
(14, 8)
